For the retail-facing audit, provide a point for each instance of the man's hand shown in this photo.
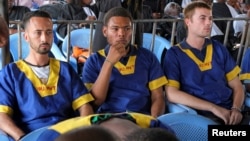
(116, 52)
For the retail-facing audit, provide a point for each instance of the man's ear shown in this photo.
(3, 41)
(186, 21)
(25, 36)
(104, 31)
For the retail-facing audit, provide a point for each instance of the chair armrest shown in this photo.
(178, 108)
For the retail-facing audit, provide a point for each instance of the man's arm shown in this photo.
(158, 102)
(101, 85)
(86, 110)
(238, 92)
(176, 96)
(9, 127)
(238, 99)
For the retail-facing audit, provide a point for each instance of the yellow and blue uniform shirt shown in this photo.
(31, 103)
(204, 74)
(131, 81)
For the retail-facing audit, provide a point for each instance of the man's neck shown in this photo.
(196, 42)
(38, 61)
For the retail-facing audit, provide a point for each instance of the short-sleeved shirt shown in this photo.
(131, 80)
(33, 104)
(204, 74)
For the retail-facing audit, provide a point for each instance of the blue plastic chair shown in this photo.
(14, 46)
(5, 137)
(245, 69)
(34, 135)
(25, 48)
(188, 127)
(160, 44)
(79, 38)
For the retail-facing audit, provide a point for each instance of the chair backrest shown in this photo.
(78, 37)
(188, 126)
(14, 38)
(34, 135)
(160, 44)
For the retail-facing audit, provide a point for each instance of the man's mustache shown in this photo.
(45, 44)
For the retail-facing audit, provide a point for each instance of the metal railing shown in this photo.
(244, 42)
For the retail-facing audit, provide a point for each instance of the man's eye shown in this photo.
(49, 32)
(128, 28)
(38, 33)
(115, 29)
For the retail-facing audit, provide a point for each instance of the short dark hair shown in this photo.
(116, 11)
(37, 13)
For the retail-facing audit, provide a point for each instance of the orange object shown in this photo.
(81, 54)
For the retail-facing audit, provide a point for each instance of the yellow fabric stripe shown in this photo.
(70, 124)
(142, 120)
(158, 83)
(173, 83)
(245, 76)
(82, 100)
(6, 109)
(207, 64)
(232, 74)
(101, 52)
(127, 69)
(88, 85)
(43, 89)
